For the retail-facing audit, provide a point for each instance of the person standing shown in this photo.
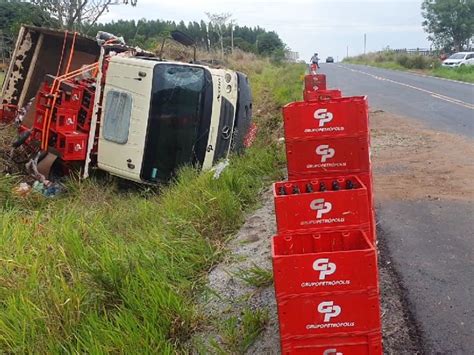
(315, 59)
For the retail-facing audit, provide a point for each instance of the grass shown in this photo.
(423, 64)
(100, 269)
(256, 276)
(461, 74)
(239, 333)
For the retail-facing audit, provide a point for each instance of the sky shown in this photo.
(328, 27)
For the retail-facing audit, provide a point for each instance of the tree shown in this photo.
(450, 23)
(218, 22)
(79, 15)
(269, 42)
(13, 14)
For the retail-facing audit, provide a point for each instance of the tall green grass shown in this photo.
(462, 74)
(101, 269)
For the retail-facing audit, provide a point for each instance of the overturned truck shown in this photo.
(82, 104)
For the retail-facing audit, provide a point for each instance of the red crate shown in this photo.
(8, 112)
(321, 210)
(325, 156)
(346, 116)
(349, 344)
(328, 314)
(71, 96)
(65, 120)
(34, 136)
(321, 95)
(323, 262)
(43, 100)
(314, 82)
(365, 178)
(85, 118)
(72, 145)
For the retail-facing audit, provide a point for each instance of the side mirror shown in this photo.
(182, 38)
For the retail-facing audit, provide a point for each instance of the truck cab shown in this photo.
(160, 115)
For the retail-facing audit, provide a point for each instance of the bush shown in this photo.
(403, 60)
(416, 61)
(419, 62)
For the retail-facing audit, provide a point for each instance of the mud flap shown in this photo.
(46, 164)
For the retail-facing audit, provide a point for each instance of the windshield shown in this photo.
(457, 56)
(174, 121)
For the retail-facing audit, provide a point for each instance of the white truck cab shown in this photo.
(158, 115)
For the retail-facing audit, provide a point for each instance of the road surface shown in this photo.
(431, 241)
(442, 104)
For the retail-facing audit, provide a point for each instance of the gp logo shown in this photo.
(324, 267)
(322, 207)
(323, 116)
(325, 152)
(329, 309)
(332, 352)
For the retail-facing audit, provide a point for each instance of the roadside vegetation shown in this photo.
(103, 269)
(422, 64)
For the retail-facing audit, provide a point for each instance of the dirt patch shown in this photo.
(412, 162)
(230, 296)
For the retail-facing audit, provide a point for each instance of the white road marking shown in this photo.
(418, 74)
(431, 93)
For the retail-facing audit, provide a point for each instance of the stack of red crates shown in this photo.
(324, 255)
(72, 113)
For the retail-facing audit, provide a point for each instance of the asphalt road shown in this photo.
(442, 104)
(431, 242)
(432, 247)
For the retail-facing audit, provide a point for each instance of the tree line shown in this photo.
(216, 32)
(147, 33)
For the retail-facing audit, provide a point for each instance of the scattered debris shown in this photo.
(23, 189)
(45, 188)
(219, 168)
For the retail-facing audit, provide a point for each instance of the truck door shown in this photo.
(125, 116)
